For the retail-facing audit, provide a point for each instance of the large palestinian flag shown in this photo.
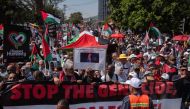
(48, 18)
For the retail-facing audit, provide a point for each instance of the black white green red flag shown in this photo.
(45, 47)
(48, 18)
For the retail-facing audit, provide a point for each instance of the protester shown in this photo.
(120, 76)
(108, 74)
(38, 76)
(122, 62)
(129, 59)
(62, 104)
(182, 83)
(136, 100)
(165, 77)
(90, 77)
(11, 77)
(148, 76)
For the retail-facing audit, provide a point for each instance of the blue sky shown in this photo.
(88, 8)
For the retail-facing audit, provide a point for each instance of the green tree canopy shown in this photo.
(76, 17)
(22, 11)
(137, 14)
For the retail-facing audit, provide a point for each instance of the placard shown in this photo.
(93, 58)
(16, 43)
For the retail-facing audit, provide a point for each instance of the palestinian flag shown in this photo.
(106, 30)
(35, 52)
(45, 47)
(73, 40)
(48, 18)
(156, 33)
(1, 29)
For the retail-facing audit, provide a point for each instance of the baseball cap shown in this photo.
(134, 82)
(147, 73)
(186, 53)
(132, 56)
(165, 76)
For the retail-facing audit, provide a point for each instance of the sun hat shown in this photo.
(134, 82)
(122, 56)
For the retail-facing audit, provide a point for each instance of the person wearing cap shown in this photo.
(156, 72)
(183, 71)
(165, 77)
(108, 74)
(132, 75)
(136, 100)
(148, 76)
(123, 63)
(132, 59)
(169, 67)
(182, 84)
(114, 58)
(119, 75)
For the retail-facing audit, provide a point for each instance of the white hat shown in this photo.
(145, 54)
(147, 73)
(132, 56)
(165, 76)
(134, 82)
(133, 74)
(186, 53)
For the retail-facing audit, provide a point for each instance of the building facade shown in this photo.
(102, 10)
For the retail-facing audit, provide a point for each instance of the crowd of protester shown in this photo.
(130, 59)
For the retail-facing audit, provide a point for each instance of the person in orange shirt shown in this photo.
(136, 100)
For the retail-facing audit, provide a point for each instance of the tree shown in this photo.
(76, 18)
(137, 14)
(22, 11)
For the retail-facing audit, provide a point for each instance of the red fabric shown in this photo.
(181, 38)
(168, 69)
(157, 62)
(44, 15)
(1, 27)
(157, 77)
(117, 36)
(151, 24)
(106, 27)
(34, 50)
(85, 41)
(45, 46)
(61, 76)
(139, 56)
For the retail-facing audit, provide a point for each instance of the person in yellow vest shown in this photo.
(136, 100)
